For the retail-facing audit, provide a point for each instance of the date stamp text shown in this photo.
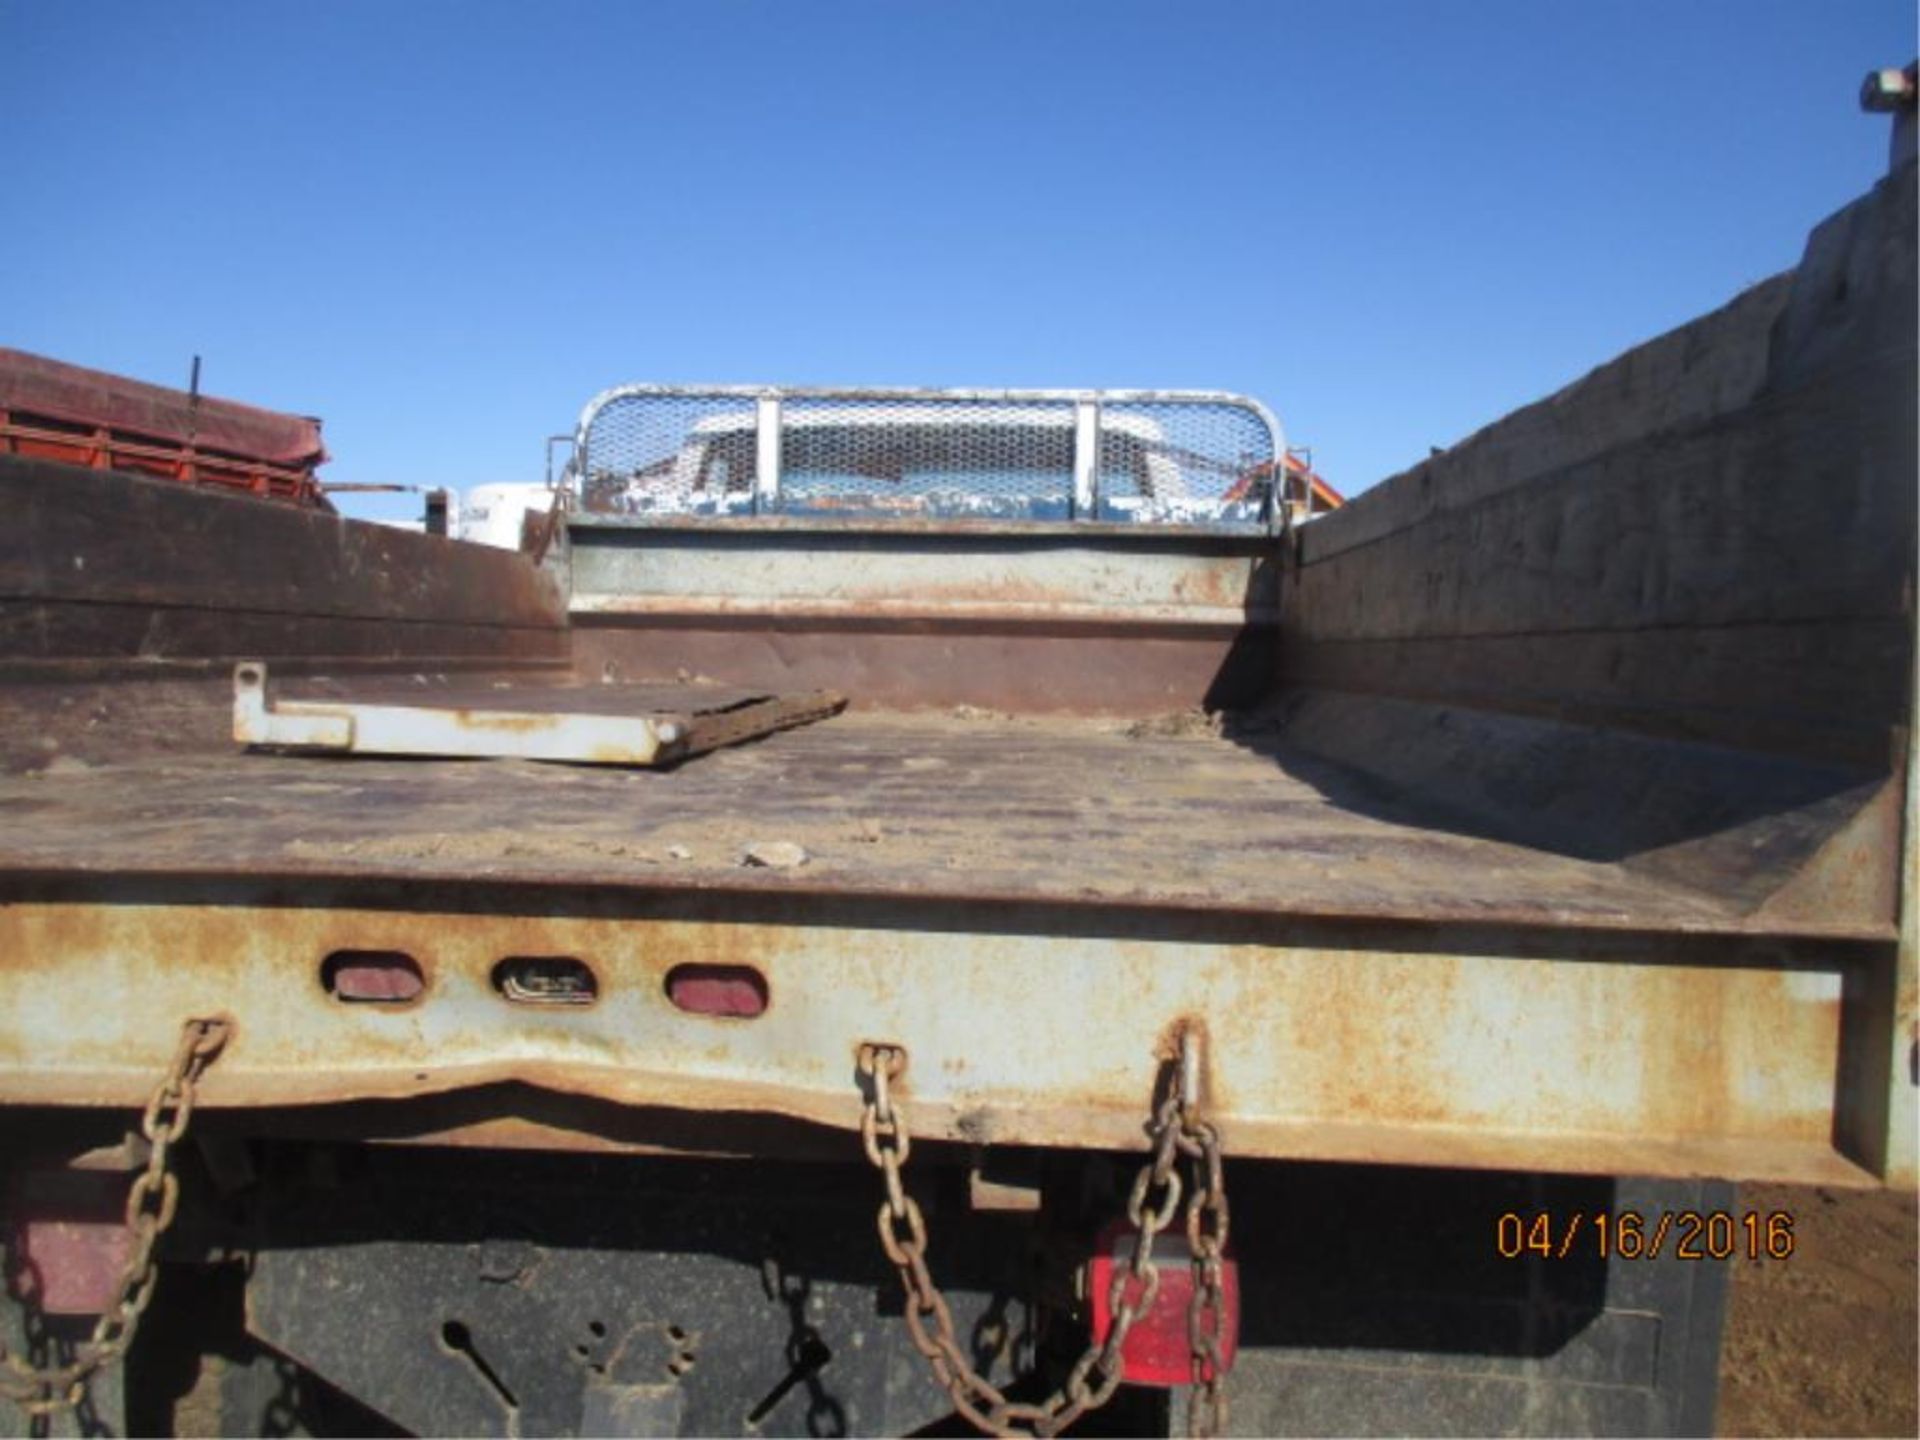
(1633, 1235)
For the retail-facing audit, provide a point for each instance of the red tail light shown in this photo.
(737, 992)
(1158, 1349)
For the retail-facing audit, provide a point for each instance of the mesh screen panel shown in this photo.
(1174, 461)
(688, 454)
(1202, 459)
(928, 457)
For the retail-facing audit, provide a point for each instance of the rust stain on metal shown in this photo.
(1855, 873)
(494, 722)
(1426, 1058)
(928, 607)
(1171, 1049)
(1105, 669)
(1219, 588)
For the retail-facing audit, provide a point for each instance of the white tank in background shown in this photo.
(492, 514)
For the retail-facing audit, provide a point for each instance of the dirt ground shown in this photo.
(1825, 1343)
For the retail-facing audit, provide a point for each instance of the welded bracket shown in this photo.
(587, 736)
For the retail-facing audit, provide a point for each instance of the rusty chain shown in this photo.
(151, 1202)
(1151, 1207)
(1207, 1225)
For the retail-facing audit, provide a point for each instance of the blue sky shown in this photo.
(443, 226)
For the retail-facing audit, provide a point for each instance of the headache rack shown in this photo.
(1162, 457)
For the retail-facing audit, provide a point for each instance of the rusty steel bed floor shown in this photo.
(1062, 811)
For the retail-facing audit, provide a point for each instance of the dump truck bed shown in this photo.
(1460, 880)
(1551, 817)
(1378, 981)
(1182, 811)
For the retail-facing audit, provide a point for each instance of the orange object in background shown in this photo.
(1306, 492)
(55, 411)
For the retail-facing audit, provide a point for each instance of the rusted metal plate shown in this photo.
(936, 665)
(1126, 814)
(1060, 618)
(1091, 873)
(977, 889)
(97, 536)
(99, 564)
(1132, 814)
(590, 725)
(931, 664)
(996, 574)
(1625, 1055)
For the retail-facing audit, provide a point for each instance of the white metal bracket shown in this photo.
(588, 732)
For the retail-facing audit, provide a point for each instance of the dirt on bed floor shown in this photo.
(1825, 1343)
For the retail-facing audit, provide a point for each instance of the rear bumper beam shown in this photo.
(1658, 1055)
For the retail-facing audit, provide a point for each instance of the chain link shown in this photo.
(152, 1200)
(1208, 1221)
(1151, 1207)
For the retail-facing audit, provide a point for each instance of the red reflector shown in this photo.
(1157, 1349)
(78, 1262)
(735, 991)
(373, 975)
(71, 1241)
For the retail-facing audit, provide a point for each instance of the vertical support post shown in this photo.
(1279, 512)
(1903, 1074)
(766, 454)
(1086, 458)
(552, 440)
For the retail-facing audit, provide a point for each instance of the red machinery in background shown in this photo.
(55, 411)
